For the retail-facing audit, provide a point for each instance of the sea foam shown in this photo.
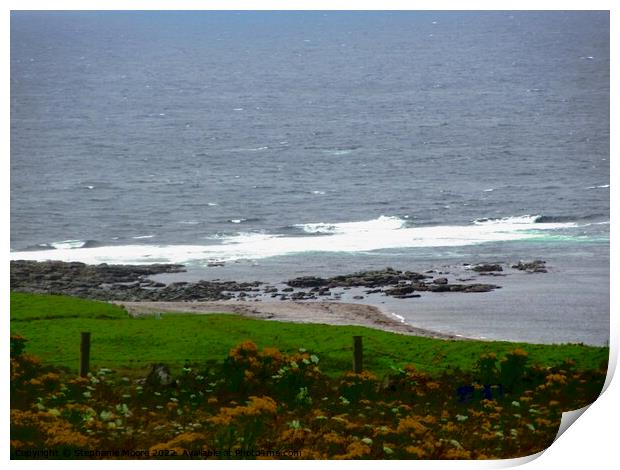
(353, 237)
(381, 223)
(68, 244)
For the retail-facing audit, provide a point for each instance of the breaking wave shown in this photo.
(354, 237)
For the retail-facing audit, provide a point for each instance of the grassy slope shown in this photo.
(52, 324)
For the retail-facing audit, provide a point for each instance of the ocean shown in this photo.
(320, 143)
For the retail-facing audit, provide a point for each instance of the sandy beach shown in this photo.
(331, 313)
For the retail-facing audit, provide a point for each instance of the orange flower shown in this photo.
(429, 419)
(47, 428)
(416, 451)
(355, 450)
(432, 385)
(411, 424)
(449, 427)
(543, 422)
(455, 454)
(272, 353)
(518, 352)
(556, 378)
(243, 350)
(184, 441)
(254, 407)
(333, 438)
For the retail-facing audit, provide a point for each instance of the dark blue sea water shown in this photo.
(289, 143)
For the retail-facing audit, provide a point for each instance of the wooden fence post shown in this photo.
(84, 353)
(357, 354)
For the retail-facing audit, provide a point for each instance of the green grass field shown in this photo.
(52, 324)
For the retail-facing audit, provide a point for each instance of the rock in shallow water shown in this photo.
(116, 282)
(381, 278)
(536, 266)
(131, 283)
(485, 267)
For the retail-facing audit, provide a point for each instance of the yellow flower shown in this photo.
(64, 436)
(272, 353)
(556, 378)
(432, 385)
(417, 451)
(184, 441)
(254, 407)
(165, 449)
(411, 424)
(519, 352)
(262, 404)
(352, 426)
(356, 449)
(311, 454)
(296, 436)
(47, 428)
(243, 350)
(449, 427)
(488, 404)
(543, 422)
(457, 454)
(429, 419)
(333, 438)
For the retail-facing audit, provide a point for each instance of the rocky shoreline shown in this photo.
(132, 283)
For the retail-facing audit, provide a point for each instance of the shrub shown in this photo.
(284, 402)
